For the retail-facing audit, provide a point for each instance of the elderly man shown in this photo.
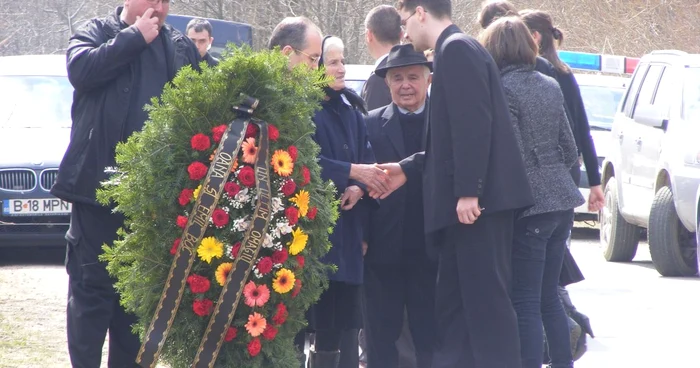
(199, 30)
(298, 38)
(398, 273)
(116, 65)
(383, 31)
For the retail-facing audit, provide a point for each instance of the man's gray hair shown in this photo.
(291, 31)
(199, 25)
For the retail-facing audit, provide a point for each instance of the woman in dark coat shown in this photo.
(548, 149)
(345, 157)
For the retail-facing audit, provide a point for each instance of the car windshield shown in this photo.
(691, 94)
(355, 85)
(601, 103)
(35, 102)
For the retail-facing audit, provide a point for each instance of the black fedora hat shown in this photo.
(403, 55)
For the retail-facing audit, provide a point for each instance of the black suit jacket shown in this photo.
(375, 91)
(385, 235)
(471, 149)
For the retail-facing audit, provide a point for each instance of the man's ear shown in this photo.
(287, 50)
(430, 78)
(211, 39)
(369, 36)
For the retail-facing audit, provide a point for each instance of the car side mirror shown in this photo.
(650, 116)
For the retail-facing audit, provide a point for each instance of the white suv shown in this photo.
(652, 172)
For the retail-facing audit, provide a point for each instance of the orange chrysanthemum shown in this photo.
(282, 163)
(284, 281)
(222, 272)
(250, 151)
(256, 324)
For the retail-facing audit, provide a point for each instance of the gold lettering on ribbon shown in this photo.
(189, 242)
(221, 167)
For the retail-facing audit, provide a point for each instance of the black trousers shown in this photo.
(476, 322)
(93, 304)
(389, 291)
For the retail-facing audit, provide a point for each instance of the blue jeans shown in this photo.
(539, 243)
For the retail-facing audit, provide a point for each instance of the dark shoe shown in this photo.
(324, 359)
(582, 321)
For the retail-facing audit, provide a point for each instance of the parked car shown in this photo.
(35, 122)
(652, 173)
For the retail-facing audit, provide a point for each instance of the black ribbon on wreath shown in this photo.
(211, 191)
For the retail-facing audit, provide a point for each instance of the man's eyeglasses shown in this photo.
(404, 21)
(314, 59)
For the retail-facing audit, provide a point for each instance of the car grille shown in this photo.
(17, 180)
(47, 178)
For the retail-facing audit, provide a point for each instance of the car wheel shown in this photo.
(672, 246)
(618, 237)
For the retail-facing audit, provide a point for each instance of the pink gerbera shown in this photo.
(256, 295)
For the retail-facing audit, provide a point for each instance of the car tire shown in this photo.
(618, 237)
(672, 246)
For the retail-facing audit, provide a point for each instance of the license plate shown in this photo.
(28, 207)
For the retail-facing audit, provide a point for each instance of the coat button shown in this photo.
(126, 89)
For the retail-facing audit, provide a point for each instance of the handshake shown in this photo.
(381, 179)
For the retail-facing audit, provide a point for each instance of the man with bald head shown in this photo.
(299, 39)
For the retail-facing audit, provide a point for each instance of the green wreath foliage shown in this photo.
(152, 174)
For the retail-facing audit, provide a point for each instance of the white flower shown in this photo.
(256, 272)
(284, 228)
(267, 243)
(241, 224)
(242, 196)
(277, 205)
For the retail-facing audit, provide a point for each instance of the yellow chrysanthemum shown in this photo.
(222, 272)
(301, 199)
(282, 163)
(195, 194)
(299, 242)
(284, 281)
(210, 248)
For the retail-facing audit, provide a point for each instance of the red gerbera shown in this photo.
(312, 213)
(270, 332)
(247, 176)
(202, 307)
(293, 152)
(273, 132)
(281, 315)
(185, 196)
(292, 214)
(197, 170)
(251, 131)
(200, 142)
(181, 222)
(265, 265)
(254, 347)
(289, 187)
(218, 132)
(232, 188)
(219, 217)
(231, 334)
(176, 244)
(280, 256)
(236, 248)
(198, 284)
(297, 288)
(300, 261)
(306, 174)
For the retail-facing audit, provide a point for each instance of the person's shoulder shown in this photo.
(377, 113)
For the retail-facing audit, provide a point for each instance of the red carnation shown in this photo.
(265, 265)
(254, 347)
(300, 261)
(231, 334)
(181, 222)
(247, 176)
(202, 307)
(289, 187)
(200, 142)
(236, 248)
(312, 213)
(297, 288)
(197, 170)
(218, 132)
(219, 217)
(281, 316)
(185, 196)
(232, 188)
(270, 332)
(306, 174)
(176, 244)
(293, 152)
(198, 284)
(273, 132)
(251, 131)
(292, 214)
(280, 256)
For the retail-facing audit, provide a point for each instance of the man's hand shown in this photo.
(148, 25)
(596, 199)
(364, 248)
(350, 198)
(397, 176)
(468, 210)
(375, 179)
